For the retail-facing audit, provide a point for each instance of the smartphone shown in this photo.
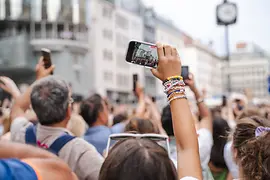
(46, 53)
(142, 53)
(185, 72)
(135, 80)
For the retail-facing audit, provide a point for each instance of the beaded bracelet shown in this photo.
(172, 78)
(180, 91)
(177, 97)
(169, 86)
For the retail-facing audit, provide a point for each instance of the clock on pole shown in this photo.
(226, 15)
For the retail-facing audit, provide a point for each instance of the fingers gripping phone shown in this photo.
(46, 53)
(142, 53)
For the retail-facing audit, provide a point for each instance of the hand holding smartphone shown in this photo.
(142, 53)
(46, 54)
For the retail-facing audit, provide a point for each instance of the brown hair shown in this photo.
(253, 153)
(136, 159)
(141, 126)
(248, 112)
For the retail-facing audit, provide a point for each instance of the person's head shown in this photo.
(94, 111)
(141, 126)
(248, 112)
(252, 153)
(136, 159)
(76, 125)
(220, 135)
(119, 118)
(166, 119)
(51, 101)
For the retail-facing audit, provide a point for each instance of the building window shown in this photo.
(120, 58)
(121, 21)
(107, 55)
(107, 12)
(122, 80)
(108, 76)
(107, 34)
(121, 40)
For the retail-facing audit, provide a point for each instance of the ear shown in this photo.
(68, 113)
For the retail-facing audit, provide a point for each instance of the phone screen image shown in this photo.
(144, 54)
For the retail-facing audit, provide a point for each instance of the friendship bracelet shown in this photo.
(178, 97)
(168, 87)
(173, 81)
(176, 92)
(173, 78)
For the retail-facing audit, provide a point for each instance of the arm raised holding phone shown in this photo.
(184, 129)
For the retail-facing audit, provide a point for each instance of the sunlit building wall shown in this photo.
(26, 26)
(112, 27)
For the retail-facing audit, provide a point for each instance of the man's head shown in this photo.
(50, 99)
(94, 111)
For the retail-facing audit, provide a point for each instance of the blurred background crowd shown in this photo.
(88, 40)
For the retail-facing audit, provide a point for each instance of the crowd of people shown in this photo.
(47, 133)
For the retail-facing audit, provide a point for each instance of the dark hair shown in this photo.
(141, 126)
(166, 119)
(248, 112)
(50, 100)
(90, 108)
(253, 153)
(220, 136)
(119, 118)
(136, 159)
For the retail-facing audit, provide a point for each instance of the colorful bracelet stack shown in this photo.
(174, 87)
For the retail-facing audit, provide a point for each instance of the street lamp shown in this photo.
(226, 14)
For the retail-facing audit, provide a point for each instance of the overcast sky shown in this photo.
(197, 18)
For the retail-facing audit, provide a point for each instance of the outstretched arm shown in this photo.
(183, 123)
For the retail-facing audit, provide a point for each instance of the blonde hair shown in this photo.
(77, 125)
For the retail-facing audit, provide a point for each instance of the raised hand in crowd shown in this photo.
(204, 112)
(9, 86)
(41, 71)
(188, 152)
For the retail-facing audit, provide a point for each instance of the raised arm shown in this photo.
(22, 103)
(184, 129)
(206, 119)
(40, 160)
(21, 151)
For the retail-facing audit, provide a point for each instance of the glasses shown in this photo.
(124, 136)
(71, 100)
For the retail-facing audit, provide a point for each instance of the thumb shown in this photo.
(51, 69)
(156, 73)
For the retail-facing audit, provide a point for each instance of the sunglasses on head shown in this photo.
(123, 136)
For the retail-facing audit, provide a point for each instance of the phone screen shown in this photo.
(185, 72)
(46, 53)
(141, 53)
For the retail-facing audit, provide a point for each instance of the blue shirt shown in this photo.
(13, 169)
(98, 135)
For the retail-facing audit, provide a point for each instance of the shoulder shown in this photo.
(17, 169)
(18, 128)
(118, 128)
(79, 146)
(204, 135)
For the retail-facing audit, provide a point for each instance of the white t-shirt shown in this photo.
(188, 178)
(228, 156)
(205, 140)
